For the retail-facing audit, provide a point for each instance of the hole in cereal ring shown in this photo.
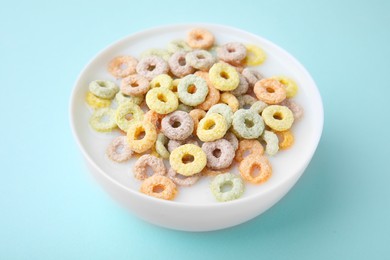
(217, 153)
(230, 50)
(123, 66)
(134, 84)
(129, 116)
(182, 61)
(249, 123)
(210, 124)
(200, 56)
(246, 153)
(176, 124)
(226, 186)
(191, 89)
(157, 85)
(224, 75)
(198, 37)
(255, 170)
(139, 133)
(278, 116)
(158, 188)
(162, 97)
(151, 67)
(270, 90)
(187, 158)
(174, 88)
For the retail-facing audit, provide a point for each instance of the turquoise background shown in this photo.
(52, 209)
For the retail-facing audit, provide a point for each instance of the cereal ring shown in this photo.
(96, 121)
(232, 52)
(126, 113)
(177, 125)
(200, 39)
(178, 45)
(213, 96)
(258, 106)
(200, 59)
(242, 86)
(232, 140)
(250, 164)
(212, 127)
(223, 180)
(188, 159)
(103, 89)
(161, 143)
(122, 66)
(272, 142)
(295, 108)
(254, 55)
(252, 76)
(161, 100)
(96, 102)
(286, 139)
(289, 84)
(225, 111)
(161, 53)
(197, 115)
(179, 66)
(220, 154)
(182, 180)
(119, 150)
(154, 118)
(209, 172)
(173, 144)
(152, 66)
(120, 98)
(192, 90)
(140, 166)
(271, 91)
(137, 142)
(224, 77)
(247, 124)
(160, 187)
(246, 101)
(253, 146)
(134, 85)
(230, 100)
(162, 80)
(279, 118)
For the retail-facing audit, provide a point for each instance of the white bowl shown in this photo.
(195, 209)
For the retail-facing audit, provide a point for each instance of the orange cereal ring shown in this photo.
(136, 141)
(230, 100)
(134, 85)
(254, 147)
(286, 139)
(160, 187)
(197, 115)
(270, 91)
(209, 172)
(122, 66)
(250, 164)
(156, 164)
(200, 39)
(212, 97)
(154, 118)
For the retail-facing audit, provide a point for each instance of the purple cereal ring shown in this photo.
(232, 52)
(220, 154)
(242, 86)
(152, 66)
(177, 125)
(182, 180)
(140, 166)
(252, 76)
(173, 144)
(232, 138)
(179, 66)
(119, 150)
(295, 108)
(200, 59)
(134, 85)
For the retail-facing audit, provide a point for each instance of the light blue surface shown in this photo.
(50, 207)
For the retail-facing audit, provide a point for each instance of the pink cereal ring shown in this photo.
(122, 66)
(152, 66)
(295, 108)
(252, 76)
(232, 52)
(119, 150)
(200, 39)
(177, 125)
(182, 180)
(220, 154)
(179, 66)
(134, 85)
(140, 166)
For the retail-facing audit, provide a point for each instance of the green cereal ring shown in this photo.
(258, 106)
(272, 142)
(164, 54)
(161, 100)
(180, 159)
(103, 88)
(178, 45)
(192, 90)
(185, 108)
(161, 143)
(247, 124)
(279, 118)
(162, 80)
(246, 101)
(224, 77)
(212, 127)
(122, 114)
(103, 120)
(227, 179)
(224, 110)
(120, 98)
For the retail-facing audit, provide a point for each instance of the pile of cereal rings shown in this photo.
(202, 108)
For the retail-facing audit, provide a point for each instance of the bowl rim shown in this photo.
(320, 116)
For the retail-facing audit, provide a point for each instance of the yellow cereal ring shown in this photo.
(98, 123)
(136, 141)
(160, 187)
(279, 118)
(286, 139)
(230, 100)
(254, 55)
(162, 100)
(96, 102)
(224, 77)
(289, 84)
(188, 159)
(212, 127)
(162, 80)
(127, 112)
